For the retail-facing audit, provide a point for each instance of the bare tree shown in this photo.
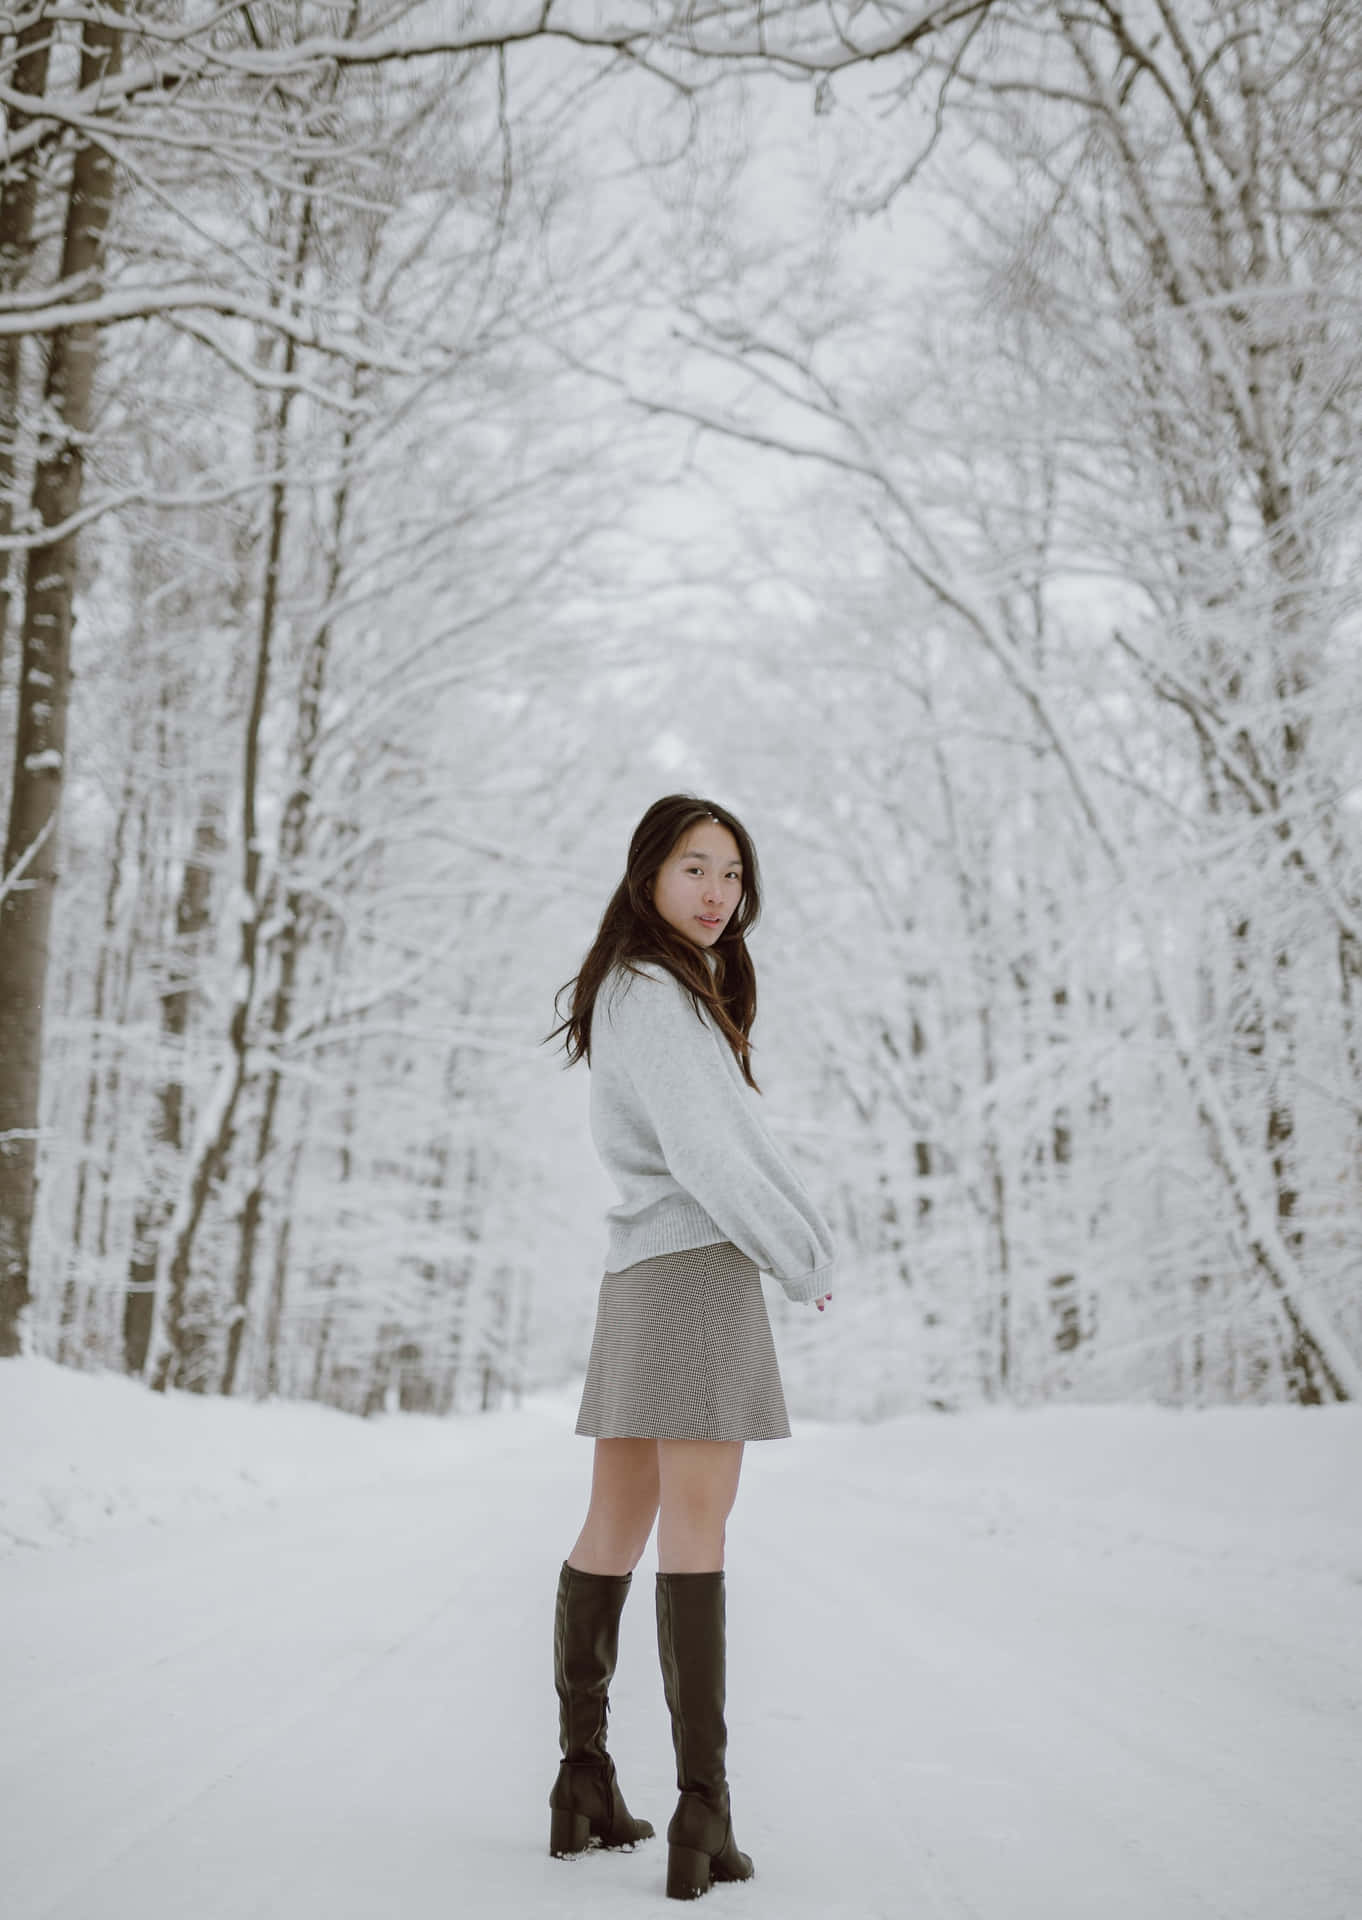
(30, 861)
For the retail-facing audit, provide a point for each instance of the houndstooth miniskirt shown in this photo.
(683, 1351)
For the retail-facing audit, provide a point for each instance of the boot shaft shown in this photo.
(691, 1645)
(586, 1635)
(585, 1801)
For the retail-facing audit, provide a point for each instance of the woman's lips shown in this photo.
(716, 922)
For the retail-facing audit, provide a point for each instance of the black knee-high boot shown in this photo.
(691, 1645)
(586, 1803)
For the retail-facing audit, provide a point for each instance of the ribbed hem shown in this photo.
(677, 1229)
(809, 1286)
(683, 1225)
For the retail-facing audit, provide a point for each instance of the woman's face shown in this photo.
(698, 886)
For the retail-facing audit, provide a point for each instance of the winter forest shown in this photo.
(432, 429)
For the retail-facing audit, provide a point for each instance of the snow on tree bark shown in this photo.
(44, 692)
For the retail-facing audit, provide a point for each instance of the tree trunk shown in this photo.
(70, 1307)
(293, 841)
(193, 914)
(214, 1136)
(18, 203)
(349, 1121)
(274, 1313)
(44, 686)
(997, 1362)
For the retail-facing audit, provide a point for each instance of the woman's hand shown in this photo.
(820, 1304)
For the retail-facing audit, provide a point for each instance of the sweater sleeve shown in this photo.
(714, 1142)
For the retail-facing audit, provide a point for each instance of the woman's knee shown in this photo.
(623, 1507)
(621, 1528)
(603, 1552)
(690, 1542)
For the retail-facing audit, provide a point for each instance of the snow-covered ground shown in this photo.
(1068, 1665)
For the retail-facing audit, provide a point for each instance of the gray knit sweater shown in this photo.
(678, 1131)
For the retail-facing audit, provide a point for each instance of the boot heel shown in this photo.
(569, 1833)
(688, 1873)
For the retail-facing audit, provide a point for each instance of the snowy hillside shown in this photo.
(1076, 1665)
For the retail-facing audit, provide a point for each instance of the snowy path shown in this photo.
(988, 1670)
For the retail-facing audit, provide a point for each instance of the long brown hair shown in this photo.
(632, 930)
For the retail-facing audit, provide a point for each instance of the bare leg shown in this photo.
(698, 1483)
(624, 1497)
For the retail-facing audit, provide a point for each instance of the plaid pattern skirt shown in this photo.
(683, 1351)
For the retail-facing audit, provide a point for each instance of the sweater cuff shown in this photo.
(809, 1286)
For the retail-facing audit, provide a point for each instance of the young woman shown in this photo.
(682, 1370)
